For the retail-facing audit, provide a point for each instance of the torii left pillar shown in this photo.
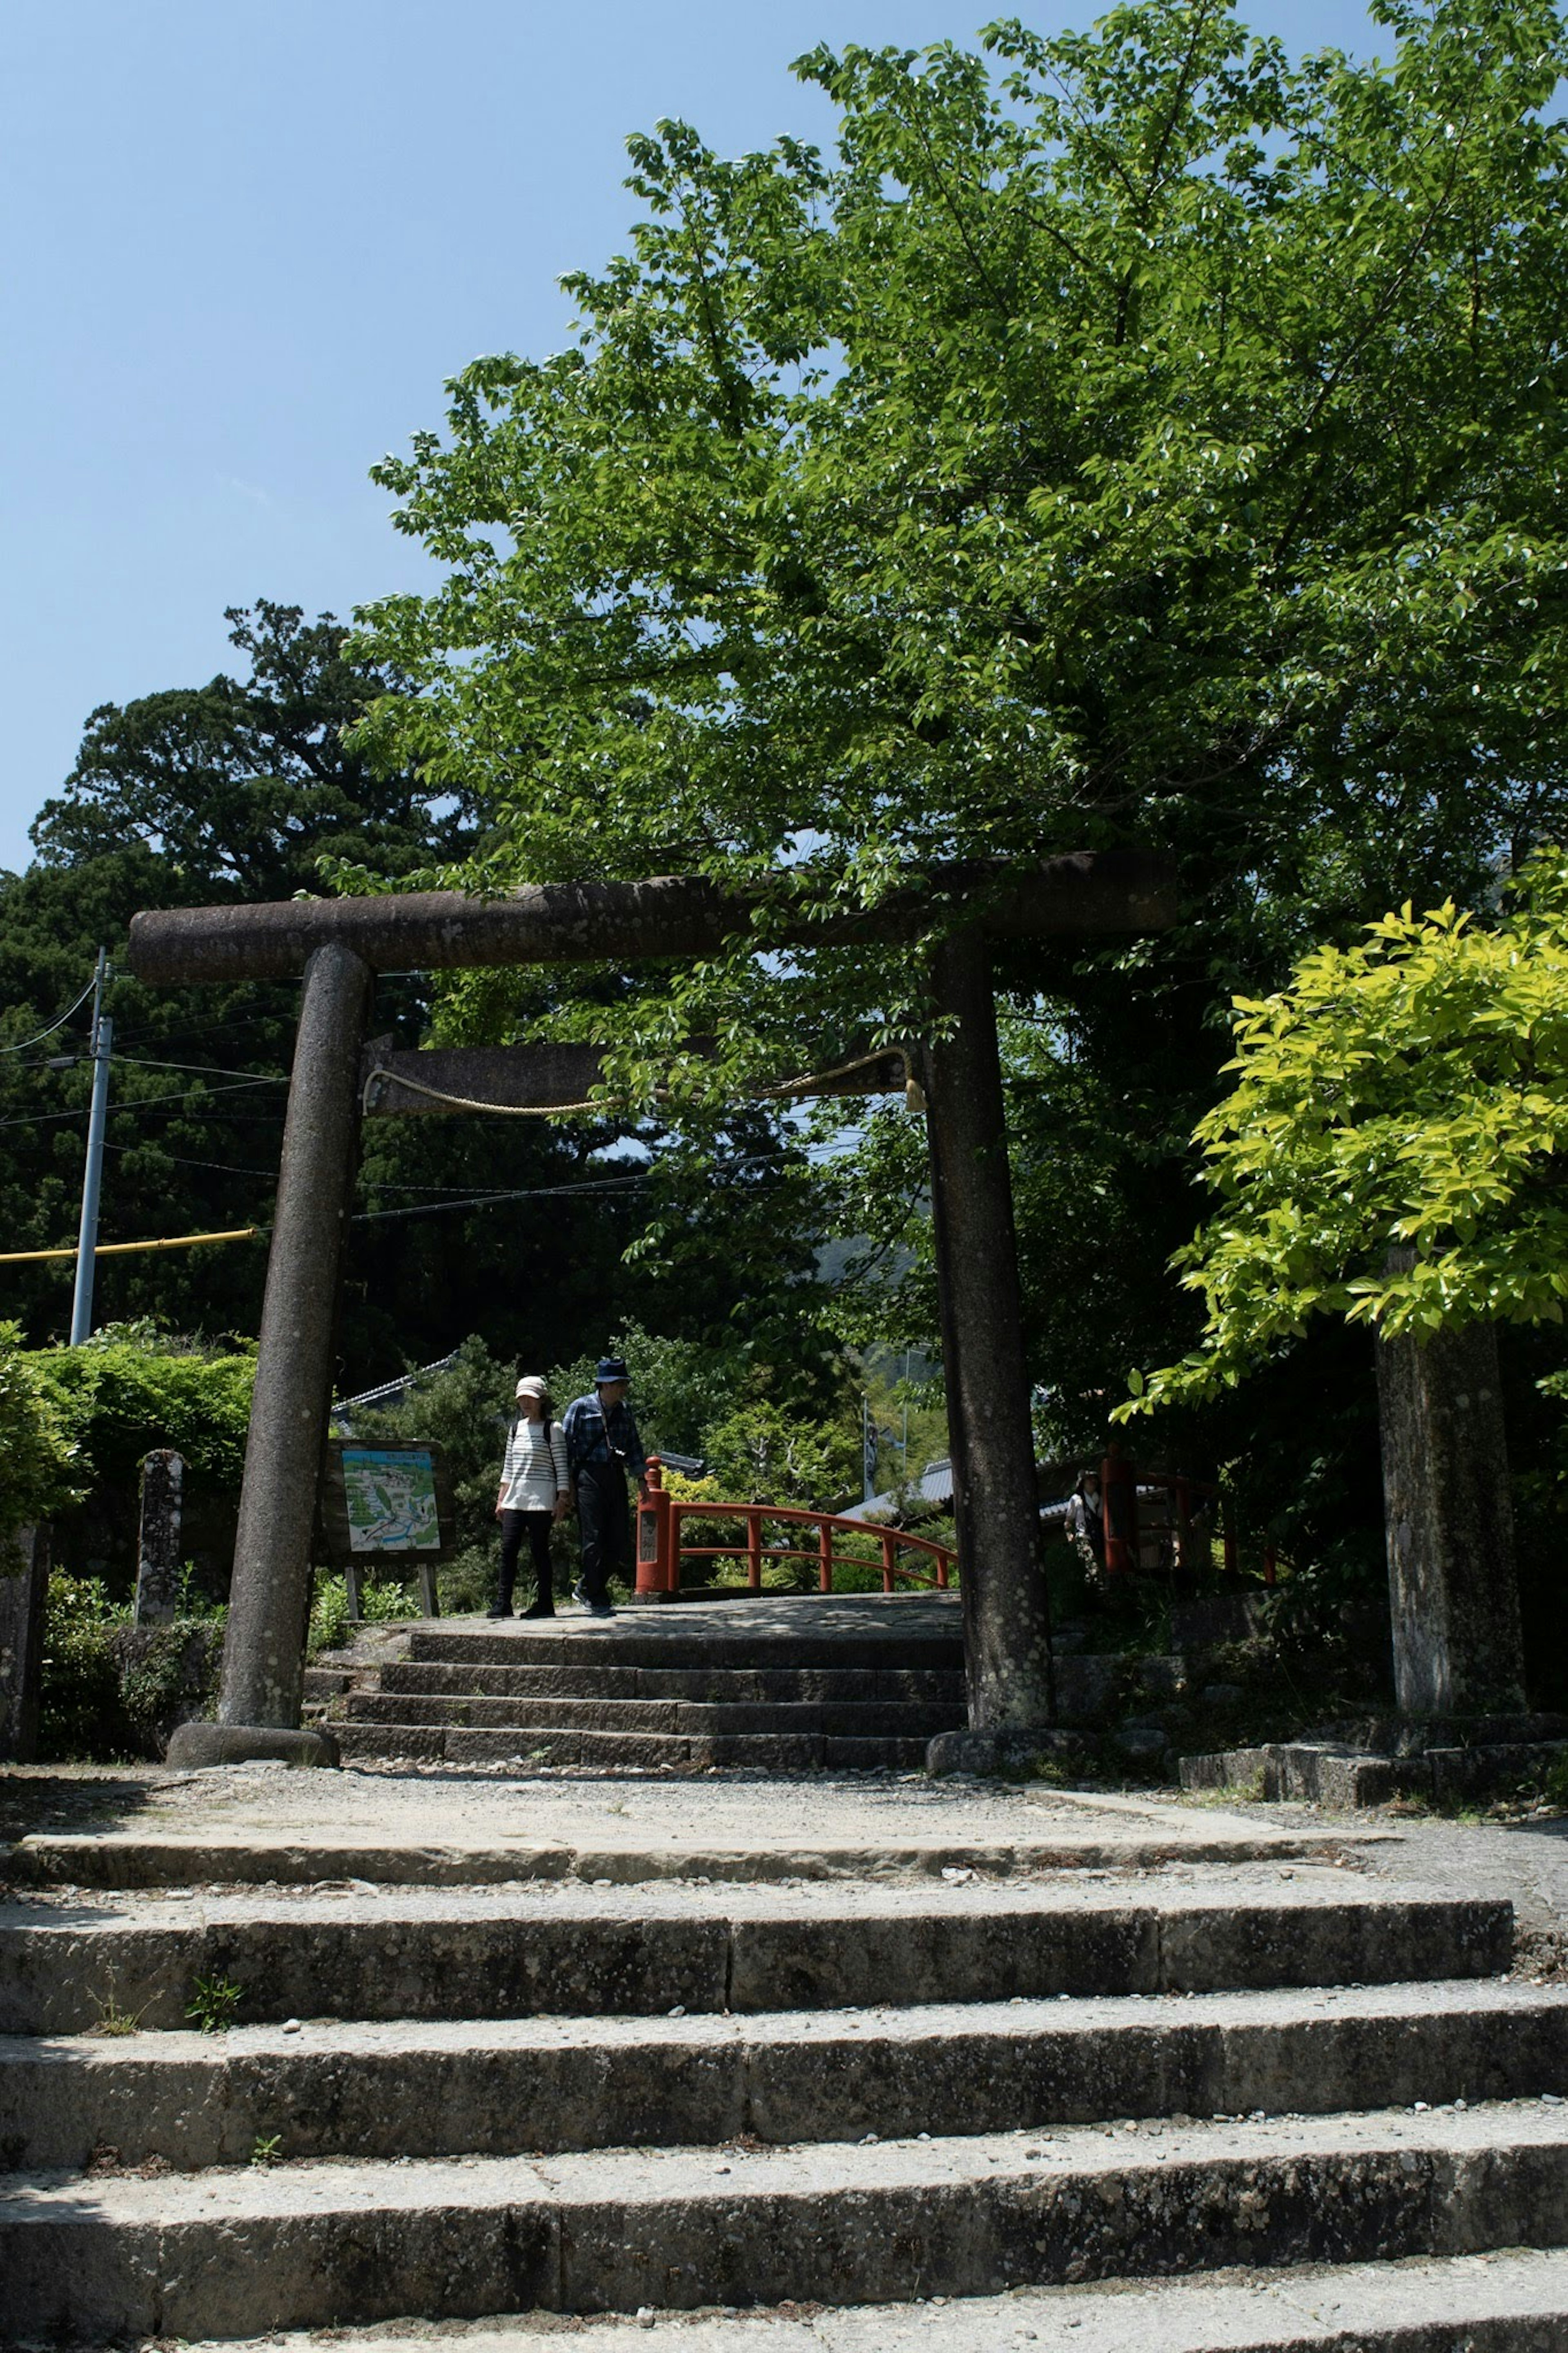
(263, 1652)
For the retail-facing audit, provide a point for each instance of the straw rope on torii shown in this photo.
(340, 945)
(391, 1071)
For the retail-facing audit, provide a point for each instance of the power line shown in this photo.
(22, 1043)
(138, 1103)
(372, 1184)
(204, 1069)
(490, 1200)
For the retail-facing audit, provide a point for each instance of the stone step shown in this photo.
(239, 1856)
(854, 1719)
(1514, 2301)
(716, 1686)
(326, 1683)
(527, 1747)
(628, 1641)
(339, 2088)
(559, 1950)
(246, 2250)
(1326, 1773)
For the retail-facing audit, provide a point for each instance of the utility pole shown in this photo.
(93, 1174)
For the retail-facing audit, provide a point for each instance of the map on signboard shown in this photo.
(390, 1497)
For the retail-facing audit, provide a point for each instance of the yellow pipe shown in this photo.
(117, 1249)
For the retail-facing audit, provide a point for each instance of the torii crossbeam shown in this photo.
(340, 944)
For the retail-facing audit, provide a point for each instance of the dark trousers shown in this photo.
(605, 1524)
(535, 1525)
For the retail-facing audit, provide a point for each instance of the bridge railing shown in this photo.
(662, 1551)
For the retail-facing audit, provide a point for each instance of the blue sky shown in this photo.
(246, 241)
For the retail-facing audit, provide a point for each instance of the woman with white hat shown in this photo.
(534, 1492)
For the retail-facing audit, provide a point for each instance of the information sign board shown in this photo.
(384, 1504)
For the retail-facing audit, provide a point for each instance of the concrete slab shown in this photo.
(1512, 2302)
(145, 1826)
(333, 2087)
(558, 1948)
(239, 2251)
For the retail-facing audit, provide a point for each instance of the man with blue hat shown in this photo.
(601, 1446)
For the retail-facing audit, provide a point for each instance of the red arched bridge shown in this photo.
(823, 1537)
(1156, 1523)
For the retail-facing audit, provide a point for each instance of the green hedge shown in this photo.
(112, 1690)
(133, 1388)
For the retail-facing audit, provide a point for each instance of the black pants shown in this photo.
(514, 1526)
(605, 1526)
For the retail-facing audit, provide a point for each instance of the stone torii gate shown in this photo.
(341, 944)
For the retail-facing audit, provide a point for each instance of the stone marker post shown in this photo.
(24, 1583)
(158, 1543)
(1453, 1592)
(263, 1652)
(1006, 1613)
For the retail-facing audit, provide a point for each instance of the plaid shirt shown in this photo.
(593, 1435)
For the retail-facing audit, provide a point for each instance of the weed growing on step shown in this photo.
(331, 1627)
(1253, 1791)
(111, 2018)
(267, 2148)
(212, 2004)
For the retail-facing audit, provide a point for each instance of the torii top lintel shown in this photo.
(1082, 895)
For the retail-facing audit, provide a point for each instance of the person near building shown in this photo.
(535, 1492)
(1084, 1529)
(601, 1446)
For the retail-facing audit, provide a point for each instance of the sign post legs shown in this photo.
(1006, 1614)
(263, 1659)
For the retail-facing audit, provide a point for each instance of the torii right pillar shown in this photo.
(1006, 1612)
(1448, 1513)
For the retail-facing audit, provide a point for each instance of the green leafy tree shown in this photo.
(39, 1464)
(680, 1386)
(1135, 432)
(246, 782)
(762, 1453)
(234, 790)
(1390, 1150)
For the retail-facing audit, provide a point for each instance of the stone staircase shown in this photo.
(847, 1681)
(440, 2103)
(865, 1685)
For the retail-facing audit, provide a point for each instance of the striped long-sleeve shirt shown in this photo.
(534, 1471)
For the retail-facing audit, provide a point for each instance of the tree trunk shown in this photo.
(1006, 1613)
(1453, 1591)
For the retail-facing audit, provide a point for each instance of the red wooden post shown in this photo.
(1269, 1560)
(755, 1548)
(658, 1563)
(824, 1557)
(888, 1554)
(1119, 1501)
(942, 1571)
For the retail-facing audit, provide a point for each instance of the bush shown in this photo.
(112, 1690)
(39, 1460)
(133, 1388)
(331, 1624)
